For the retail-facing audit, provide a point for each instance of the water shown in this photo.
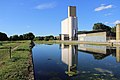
(76, 62)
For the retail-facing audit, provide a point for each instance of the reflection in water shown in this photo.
(70, 57)
(74, 62)
(69, 54)
(100, 52)
(92, 48)
(118, 53)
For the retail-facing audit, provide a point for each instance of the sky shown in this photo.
(43, 17)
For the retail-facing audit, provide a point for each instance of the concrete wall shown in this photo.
(118, 32)
(69, 55)
(93, 37)
(72, 27)
(118, 54)
(69, 26)
(92, 48)
(64, 26)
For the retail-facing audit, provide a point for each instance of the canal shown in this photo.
(76, 62)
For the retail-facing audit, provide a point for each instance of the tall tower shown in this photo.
(118, 32)
(69, 26)
(69, 55)
(71, 11)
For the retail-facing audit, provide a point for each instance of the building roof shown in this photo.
(87, 32)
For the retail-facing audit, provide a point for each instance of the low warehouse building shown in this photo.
(93, 36)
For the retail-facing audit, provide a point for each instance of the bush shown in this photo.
(0, 43)
(3, 36)
(46, 39)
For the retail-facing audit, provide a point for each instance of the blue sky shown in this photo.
(43, 17)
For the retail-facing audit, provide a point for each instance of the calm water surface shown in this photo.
(76, 62)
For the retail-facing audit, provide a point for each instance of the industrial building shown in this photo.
(69, 30)
(69, 26)
(93, 36)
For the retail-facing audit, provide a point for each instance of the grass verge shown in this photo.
(16, 68)
(72, 42)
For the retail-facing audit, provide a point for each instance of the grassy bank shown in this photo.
(72, 42)
(16, 67)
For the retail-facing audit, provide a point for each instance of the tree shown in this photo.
(28, 36)
(55, 38)
(51, 37)
(113, 29)
(41, 38)
(10, 38)
(46, 38)
(25, 37)
(15, 37)
(3, 37)
(100, 26)
(20, 37)
(31, 36)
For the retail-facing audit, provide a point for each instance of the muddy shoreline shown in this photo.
(31, 66)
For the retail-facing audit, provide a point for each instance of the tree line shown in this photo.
(111, 31)
(30, 36)
(46, 38)
(101, 26)
(27, 36)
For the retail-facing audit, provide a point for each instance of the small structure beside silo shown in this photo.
(118, 32)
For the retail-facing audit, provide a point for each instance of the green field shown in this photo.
(72, 42)
(16, 67)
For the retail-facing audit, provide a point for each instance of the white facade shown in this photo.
(69, 26)
(69, 56)
(93, 48)
(93, 37)
(64, 30)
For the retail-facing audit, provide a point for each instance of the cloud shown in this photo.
(116, 22)
(103, 7)
(45, 6)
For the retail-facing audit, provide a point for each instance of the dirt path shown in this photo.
(14, 48)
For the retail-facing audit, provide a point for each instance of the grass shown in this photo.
(71, 42)
(15, 68)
